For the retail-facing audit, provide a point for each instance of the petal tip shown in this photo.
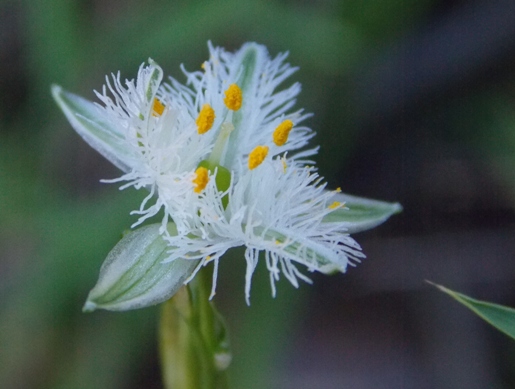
(89, 306)
(397, 208)
(56, 91)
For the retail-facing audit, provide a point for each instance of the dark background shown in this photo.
(414, 102)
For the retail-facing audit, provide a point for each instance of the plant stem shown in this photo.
(192, 339)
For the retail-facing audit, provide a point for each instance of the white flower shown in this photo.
(225, 159)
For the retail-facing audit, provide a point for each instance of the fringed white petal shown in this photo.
(276, 208)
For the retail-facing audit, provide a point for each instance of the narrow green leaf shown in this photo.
(501, 317)
(362, 214)
(93, 125)
(134, 275)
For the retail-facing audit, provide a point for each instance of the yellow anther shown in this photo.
(205, 119)
(336, 204)
(157, 108)
(338, 190)
(208, 258)
(257, 156)
(201, 179)
(233, 97)
(282, 131)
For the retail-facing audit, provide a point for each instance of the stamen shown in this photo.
(205, 119)
(282, 131)
(285, 165)
(257, 156)
(201, 179)
(157, 108)
(233, 97)
(336, 204)
(338, 190)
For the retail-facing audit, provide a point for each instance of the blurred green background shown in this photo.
(414, 102)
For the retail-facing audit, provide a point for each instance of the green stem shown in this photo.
(192, 339)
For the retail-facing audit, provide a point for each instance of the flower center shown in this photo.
(233, 100)
(205, 120)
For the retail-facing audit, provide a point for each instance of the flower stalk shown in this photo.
(192, 339)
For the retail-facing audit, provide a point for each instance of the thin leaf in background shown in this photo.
(500, 316)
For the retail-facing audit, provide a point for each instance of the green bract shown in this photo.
(133, 275)
(361, 214)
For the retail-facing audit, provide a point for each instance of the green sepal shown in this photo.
(499, 316)
(134, 275)
(222, 179)
(361, 214)
(315, 254)
(94, 126)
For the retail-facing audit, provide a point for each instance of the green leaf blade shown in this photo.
(361, 214)
(499, 316)
(134, 275)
